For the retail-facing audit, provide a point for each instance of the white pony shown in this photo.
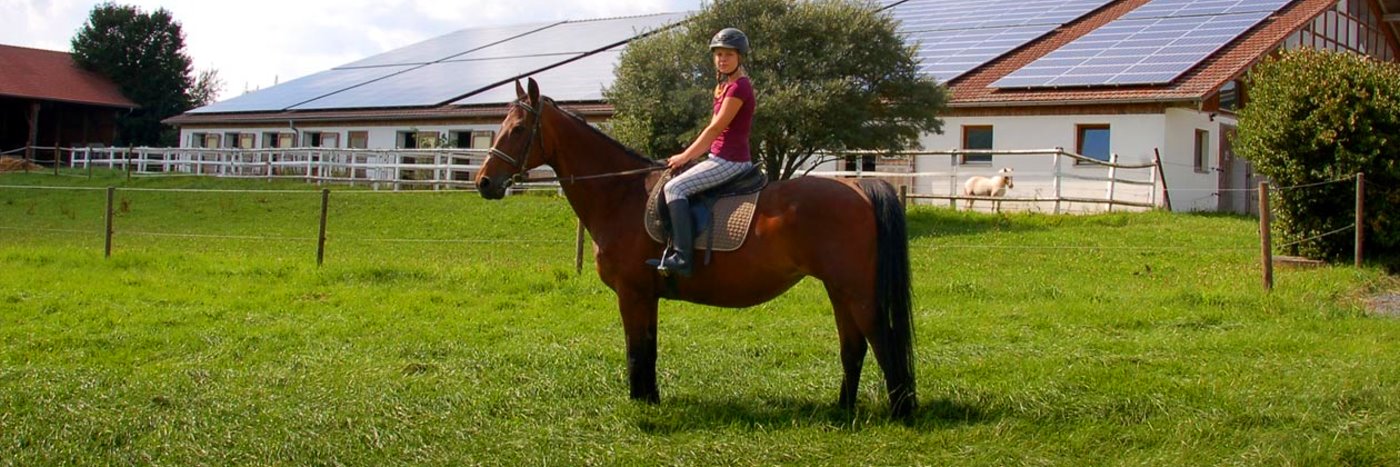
(983, 186)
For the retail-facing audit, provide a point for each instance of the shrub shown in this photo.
(1316, 116)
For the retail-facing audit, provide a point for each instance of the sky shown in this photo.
(256, 43)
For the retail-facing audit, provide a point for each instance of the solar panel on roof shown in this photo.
(285, 95)
(1179, 8)
(447, 46)
(433, 83)
(582, 80)
(955, 37)
(575, 36)
(458, 64)
(1153, 44)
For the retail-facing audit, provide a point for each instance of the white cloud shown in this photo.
(255, 43)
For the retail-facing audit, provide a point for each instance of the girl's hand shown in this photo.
(677, 161)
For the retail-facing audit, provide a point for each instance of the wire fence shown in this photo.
(1266, 229)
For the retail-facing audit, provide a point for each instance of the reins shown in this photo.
(519, 177)
(575, 178)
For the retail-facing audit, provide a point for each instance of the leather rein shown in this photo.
(519, 163)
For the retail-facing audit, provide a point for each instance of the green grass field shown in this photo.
(445, 329)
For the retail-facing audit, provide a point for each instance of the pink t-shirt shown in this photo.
(733, 143)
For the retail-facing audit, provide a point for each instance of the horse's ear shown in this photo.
(519, 91)
(534, 90)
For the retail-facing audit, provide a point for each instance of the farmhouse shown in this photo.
(1140, 83)
(46, 100)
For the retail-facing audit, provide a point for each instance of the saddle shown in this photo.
(729, 208)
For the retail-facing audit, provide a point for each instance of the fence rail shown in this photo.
(1058, 184)
(397, 168)
(1122, 186)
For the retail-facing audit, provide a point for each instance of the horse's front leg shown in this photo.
(639, 322)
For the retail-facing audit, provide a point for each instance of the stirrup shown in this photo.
(671, 261)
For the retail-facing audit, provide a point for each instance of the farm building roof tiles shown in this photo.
(52, 75)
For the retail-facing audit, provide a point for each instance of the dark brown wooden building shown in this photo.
(47, 100)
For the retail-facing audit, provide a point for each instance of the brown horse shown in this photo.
(850, 235)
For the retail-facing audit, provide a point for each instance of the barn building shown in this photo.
(1135, 82)
(46, 100)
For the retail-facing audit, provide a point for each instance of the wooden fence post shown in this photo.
(578, 248)
(128, 161)
(1162, 174)
(57, 158)
(1266, 252)
(1112, 178)
(107, 249)
(904, 197)
(953, 179)
(321, 237)
(1360, 216)
(1058, 152)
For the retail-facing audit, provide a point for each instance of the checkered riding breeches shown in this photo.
(709, 173)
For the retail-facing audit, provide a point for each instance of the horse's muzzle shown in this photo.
(492, 189)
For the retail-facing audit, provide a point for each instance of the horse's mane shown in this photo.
(584, 122)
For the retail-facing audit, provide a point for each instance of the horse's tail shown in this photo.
(893, 303)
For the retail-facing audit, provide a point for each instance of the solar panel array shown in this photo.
(457, 66)
(956, 37)
(1153, 44)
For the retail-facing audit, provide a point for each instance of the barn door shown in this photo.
(1236, 178)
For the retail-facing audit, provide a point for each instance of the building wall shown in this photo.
(1132, 137)
(381, 136)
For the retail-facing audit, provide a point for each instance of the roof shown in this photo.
(53, 76)
(974, 89)
(972, 39)
(354, 115)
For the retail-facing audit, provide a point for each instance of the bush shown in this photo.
(1316, 116)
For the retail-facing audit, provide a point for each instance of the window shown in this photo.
(1202, 151)
(867, 163)
(418, 139)
(1230, 96)
(322, 139)
(231, 140)
(483, 139)
(1092, 141)
(245, 140)
(977, 137)
(278, 140)
(196, 140)
(211, 140)
(357, 140)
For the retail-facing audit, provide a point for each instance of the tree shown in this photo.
(144, 55)
(207, 87)
(1315, 117)
(829, 75)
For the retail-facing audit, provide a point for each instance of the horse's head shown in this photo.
(518, 146)
(1005, 174)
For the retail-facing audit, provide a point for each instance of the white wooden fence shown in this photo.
(1047, 180)
(1053, 180)
(396, 168)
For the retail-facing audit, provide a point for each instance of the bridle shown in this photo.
(519, 163)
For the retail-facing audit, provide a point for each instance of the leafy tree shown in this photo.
(143, 53)
(206, 88)
(1316, 116)
(829, 75)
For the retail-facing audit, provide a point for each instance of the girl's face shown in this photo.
(726, 60)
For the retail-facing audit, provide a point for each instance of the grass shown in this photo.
(469, 339)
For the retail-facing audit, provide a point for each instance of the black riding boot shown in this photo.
(677, 258)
